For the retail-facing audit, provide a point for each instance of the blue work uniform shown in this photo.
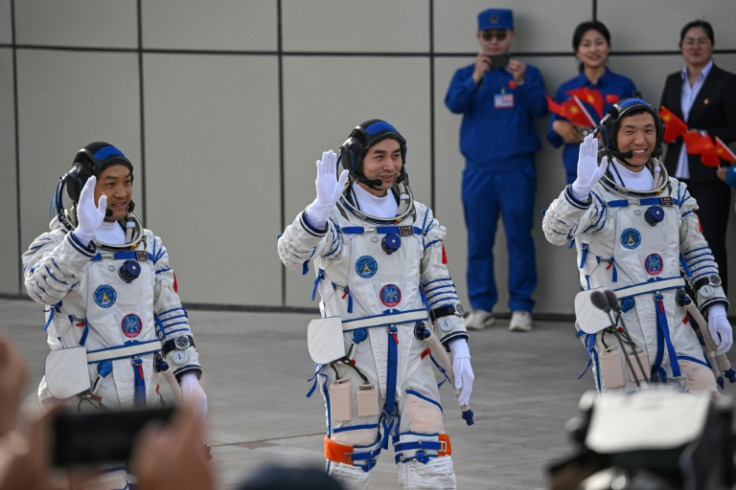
(498, 139)
(612, 86)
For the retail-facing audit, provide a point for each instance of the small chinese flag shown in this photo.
(674, 127)
(592, 97)
(724, 152)
(702, 144)
(695, 142)
(572, 110)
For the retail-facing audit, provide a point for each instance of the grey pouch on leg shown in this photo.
(367, 400)
(341, 406)
(611, 369)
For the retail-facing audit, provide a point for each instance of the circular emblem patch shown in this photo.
(105, 296)
(630, 238)
(390, 295)
(131, 325)
(366, 266)
(653, 264)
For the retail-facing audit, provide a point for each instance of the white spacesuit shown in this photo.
(375, 274)
(117, 302)
(636, 243)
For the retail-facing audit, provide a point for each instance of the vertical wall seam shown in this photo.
(282, 173)
(16, 135)
(142, 114)
(432, 158)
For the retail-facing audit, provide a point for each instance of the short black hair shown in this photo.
(704, 24)
(584, 27)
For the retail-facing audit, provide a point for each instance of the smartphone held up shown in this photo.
(499, 61)
(97, 438)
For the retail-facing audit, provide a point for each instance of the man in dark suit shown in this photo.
(704, 96)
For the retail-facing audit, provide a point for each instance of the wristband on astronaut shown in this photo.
(178, 343)
(442, 317)
(456, 309)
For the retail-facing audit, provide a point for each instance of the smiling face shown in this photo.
(593, 49)
(116, 182)
(638, 134)
(382, 162)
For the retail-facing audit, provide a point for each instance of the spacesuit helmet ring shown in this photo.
(361, 138)
(91, 160)
(611, 123)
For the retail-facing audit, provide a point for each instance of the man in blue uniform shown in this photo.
(499, 97)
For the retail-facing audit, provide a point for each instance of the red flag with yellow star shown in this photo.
(592, 97)
(724, 152)
(572, 110)
(674, 127)
(697, 143)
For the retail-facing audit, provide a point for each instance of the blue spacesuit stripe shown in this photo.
(425, 398)
(392, 370)
(128, 254)
(173, 318)
(663, 338)
(354, 427)
(78, 246)
(162, 313)
(684, 266)
(431, 243)
(53, 276)
(139, 393)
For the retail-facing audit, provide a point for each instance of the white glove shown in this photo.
(719, 327)
(329, 189)
(589, 172)
(193, 393)
(462, 370)
(89, 216)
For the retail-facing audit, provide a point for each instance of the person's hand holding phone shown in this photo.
(173, 457)
(517, 69)
(25, 464)
(13, 375)
(482, 66)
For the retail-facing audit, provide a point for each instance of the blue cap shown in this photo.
(495, 19)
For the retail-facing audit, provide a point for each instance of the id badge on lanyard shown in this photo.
(503, 101)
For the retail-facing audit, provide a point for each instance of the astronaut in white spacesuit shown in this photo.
(113, 315)
(380, 266)
(636, 233)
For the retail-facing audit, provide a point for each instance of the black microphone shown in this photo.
(600, 301)
(108, 213)
(623, 156)
(374, 183)
(612, 300)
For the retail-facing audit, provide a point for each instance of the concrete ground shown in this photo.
(257, 367)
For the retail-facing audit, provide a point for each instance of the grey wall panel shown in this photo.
(324, 98)
(61, 111)
(9, 264)
(212, 174)
(90, 23)
(356, 26)
(655, 25)
(6, 33)
(215, 24)
(225, 109)
(540, 30)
